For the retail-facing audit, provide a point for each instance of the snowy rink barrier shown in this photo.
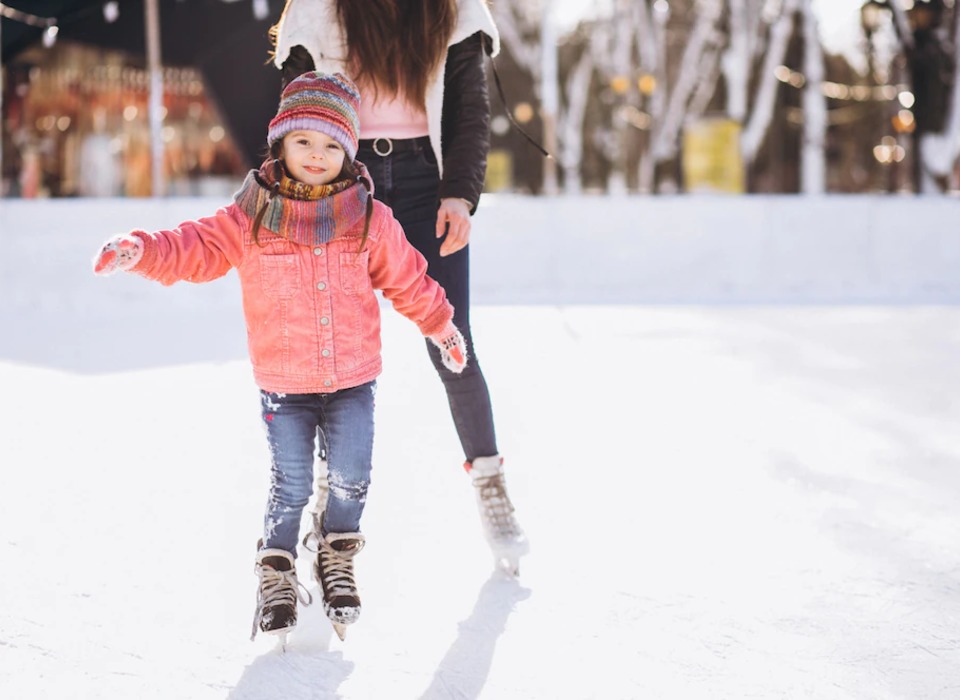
(570, 250)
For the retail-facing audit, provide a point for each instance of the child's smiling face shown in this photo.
(312, 157)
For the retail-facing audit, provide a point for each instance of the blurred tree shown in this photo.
(781, 25)
(932, 62)
(638, 75)
(927, 34)
(520, 24)
(813, 175)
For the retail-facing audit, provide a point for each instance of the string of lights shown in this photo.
(111, 11)
(26, 18)
(841, 91)
(903, 121)
(51, 25)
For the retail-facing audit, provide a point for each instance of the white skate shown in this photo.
(500, 527)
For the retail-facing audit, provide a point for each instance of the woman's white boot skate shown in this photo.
(500, 526)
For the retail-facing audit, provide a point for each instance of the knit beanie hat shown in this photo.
(319, 102)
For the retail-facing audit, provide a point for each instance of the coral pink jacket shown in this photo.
(313, 319)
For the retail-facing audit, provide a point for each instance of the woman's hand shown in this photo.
(453, 218)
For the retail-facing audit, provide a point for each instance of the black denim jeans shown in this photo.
(408, 181)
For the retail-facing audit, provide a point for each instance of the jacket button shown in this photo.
(321, 286)
(324, 321)
(327, 382)
(325, 352)
(318, 251)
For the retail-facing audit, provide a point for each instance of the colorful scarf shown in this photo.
(302, 213)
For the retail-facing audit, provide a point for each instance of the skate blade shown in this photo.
(506, 557)
(508, 565)
(340, 629)
(281, 640)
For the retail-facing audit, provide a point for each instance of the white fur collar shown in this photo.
(313, 25)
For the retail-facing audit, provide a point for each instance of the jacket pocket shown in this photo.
(280, 275)
(355, 272)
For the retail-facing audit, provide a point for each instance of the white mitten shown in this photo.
(453, 348)
(119, 253)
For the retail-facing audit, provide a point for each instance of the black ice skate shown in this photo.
(500, 526)
(277, 594)
(334, 572)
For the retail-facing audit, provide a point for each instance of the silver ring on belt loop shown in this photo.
(377, 150)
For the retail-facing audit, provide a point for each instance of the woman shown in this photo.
(424, 136)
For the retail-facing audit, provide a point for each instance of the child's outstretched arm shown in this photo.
(196, 251)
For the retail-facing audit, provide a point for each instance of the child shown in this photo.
(310, 245)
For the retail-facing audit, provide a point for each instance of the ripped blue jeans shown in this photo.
(294, 423)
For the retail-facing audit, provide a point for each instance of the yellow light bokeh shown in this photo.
(647, 84)
(523, 112)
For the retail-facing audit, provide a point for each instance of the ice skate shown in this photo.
(334, 573)
(277, 594)
(500, 527)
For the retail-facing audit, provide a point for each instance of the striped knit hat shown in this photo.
(319, 102)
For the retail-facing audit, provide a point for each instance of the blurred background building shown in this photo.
(637, 96)
(76, 112)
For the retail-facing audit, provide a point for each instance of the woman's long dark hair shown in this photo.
(397, 44)
(348, 172)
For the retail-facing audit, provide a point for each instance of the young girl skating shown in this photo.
(310, 245)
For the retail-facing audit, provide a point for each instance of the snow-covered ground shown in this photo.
(724, 500)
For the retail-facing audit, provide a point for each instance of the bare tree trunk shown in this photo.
(549, 95)
(710, 68)
(155, 97)
(746, 42)
(736, 62)
(621, 63)
(953, 115)
(512, 24)
(702, 39)
(759, 121)
(570, 121)
(650, 41)
(901, 24)
(813, 160)
(940, 151)
(517, 20)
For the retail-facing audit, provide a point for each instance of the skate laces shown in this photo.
(311, 541)
(497, 508)
(337, 568)
(277, 588)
